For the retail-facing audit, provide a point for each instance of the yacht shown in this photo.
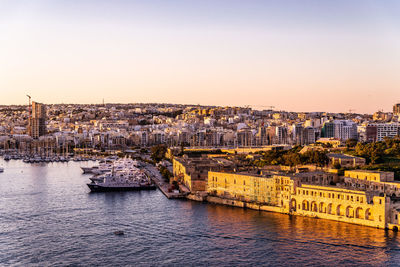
(124, 176)
(87, 170)
(107, 166)
(121, 182)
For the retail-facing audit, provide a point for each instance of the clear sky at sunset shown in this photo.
(295, 55)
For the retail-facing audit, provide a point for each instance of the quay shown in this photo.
(164, 187)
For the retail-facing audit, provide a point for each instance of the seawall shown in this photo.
(260, 207)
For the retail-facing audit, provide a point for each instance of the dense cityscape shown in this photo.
(199, 133)
(111, 127)
(337, 166)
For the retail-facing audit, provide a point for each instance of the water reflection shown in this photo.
(48, 217)
(302, 239)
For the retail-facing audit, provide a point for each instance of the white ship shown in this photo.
(107, 166)
(123, 175)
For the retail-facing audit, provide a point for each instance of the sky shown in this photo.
(295, 55)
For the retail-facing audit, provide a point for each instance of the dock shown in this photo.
(158, 180)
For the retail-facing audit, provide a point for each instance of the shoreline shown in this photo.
(267, 208)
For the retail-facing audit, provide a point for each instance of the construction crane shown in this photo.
(261, 106)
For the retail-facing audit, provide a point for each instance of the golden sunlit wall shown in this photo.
(180, 174)
(341, 204)
(243, 187)
(286, 195)
(370, 175)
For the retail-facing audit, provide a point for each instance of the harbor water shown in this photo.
(49, 218)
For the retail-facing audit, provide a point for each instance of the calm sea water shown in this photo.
(49, 218)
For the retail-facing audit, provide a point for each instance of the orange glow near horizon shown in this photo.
(257, 54)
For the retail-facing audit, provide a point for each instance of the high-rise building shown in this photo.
(37, 120)
(309, 135)
(328, 130)
(345, 130)
(244, 137)
(378, 131)
(281, 135)
(396, 109)
(297, 134)
(340, 129)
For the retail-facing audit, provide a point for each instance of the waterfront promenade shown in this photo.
(156, 177)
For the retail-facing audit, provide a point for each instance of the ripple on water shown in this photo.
(48, 218)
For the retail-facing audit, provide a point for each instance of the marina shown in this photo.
(37, 158)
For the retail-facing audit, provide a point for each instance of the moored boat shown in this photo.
(122, 175)
(97, 187)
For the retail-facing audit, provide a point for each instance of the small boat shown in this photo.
(119, 233)
(86, 169)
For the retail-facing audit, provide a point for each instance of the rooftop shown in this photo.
(342, 156)
(369, 171)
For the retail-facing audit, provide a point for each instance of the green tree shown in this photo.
(166, 174)
(350, 143)
(292, 159)
(158, 153)
(337, 166)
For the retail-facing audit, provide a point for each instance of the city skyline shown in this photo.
(205, 133)
(309, 56)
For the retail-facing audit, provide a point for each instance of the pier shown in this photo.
(164, 187)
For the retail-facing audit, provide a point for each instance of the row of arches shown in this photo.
(339, 210)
